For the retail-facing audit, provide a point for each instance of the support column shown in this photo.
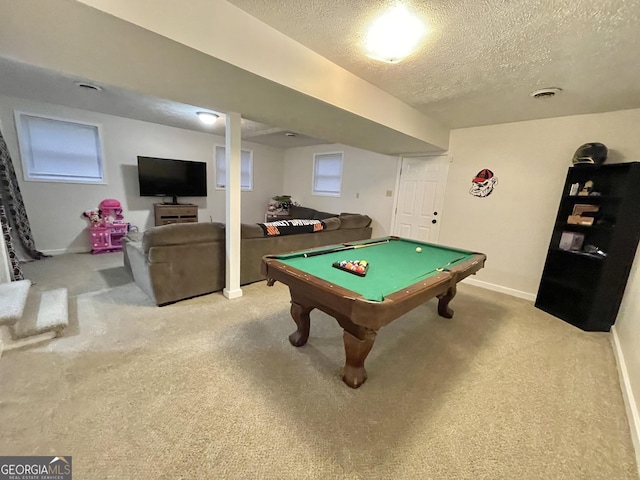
(232, 230)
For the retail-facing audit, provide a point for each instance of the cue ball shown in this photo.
(418, 249)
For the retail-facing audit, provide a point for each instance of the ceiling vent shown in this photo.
(545, 92)
(88, 86)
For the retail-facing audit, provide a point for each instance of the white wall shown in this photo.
(55, 209)
(627, 342)
(513, 225)
(366, 179)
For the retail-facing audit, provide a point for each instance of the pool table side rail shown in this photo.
(332, 299)
(330, 248)
(368, 241)
(411, 297)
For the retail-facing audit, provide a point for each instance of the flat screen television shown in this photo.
(164, 177)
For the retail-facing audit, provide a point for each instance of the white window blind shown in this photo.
(327, 174)
(246, 168)
(55, 150)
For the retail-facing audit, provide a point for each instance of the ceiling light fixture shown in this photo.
(545, 92)
(208, 118)
(291, 134)
(394, 35)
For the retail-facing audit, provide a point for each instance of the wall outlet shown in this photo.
(389, 193)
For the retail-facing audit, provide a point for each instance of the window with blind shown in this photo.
(246, 168)
(327, 174)
(56, 150)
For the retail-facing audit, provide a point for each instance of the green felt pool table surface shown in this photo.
(393, 265)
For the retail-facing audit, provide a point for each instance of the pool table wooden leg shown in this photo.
(300, 315)
(356, 351)
(443, 302)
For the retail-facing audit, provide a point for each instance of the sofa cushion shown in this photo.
(182, 233)
(296, 211)
(354, 220)
(323, 215)
(136, 246)
(332, 223)
(133, 236)
(251, 230)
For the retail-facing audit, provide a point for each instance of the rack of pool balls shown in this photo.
(357, 267)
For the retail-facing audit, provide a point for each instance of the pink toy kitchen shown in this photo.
(106, 227)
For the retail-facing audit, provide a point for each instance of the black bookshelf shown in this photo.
(583, 287)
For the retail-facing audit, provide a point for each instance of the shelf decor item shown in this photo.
(282, 202)
(592, 247)
(571, 241)
(593, 153)
(575, 187)
(587, 188)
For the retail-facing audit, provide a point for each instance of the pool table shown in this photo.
(402, 274)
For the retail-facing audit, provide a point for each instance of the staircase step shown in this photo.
(13, 297)
(8, 343)
(45, 312)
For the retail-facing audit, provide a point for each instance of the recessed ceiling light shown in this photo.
(545, 92)
(208, 118)
(88, 86)
(394, 35)
(291, 134)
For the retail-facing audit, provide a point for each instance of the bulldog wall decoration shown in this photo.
(483, 183)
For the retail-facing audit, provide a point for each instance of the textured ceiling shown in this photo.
(477, 65)
(482, 58)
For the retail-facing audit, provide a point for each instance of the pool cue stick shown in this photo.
(443, 268)
(341, 249)
(440, 269)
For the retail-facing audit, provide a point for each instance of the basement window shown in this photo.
(327, 174)
(246, 169)
(57, 150)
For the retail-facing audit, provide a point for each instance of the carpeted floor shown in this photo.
(210, 388)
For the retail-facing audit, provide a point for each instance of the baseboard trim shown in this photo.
(231, 294)
(630, 403)
(499, 288)
(62, 251)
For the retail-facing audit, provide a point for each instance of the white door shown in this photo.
(420, 197)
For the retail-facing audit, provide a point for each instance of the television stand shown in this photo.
(175, 213)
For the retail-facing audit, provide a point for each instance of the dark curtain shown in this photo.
(15, 270)
(12, 212)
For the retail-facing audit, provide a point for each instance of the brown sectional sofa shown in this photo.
(179, 261)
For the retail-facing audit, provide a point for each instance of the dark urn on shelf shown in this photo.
(283, 202)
